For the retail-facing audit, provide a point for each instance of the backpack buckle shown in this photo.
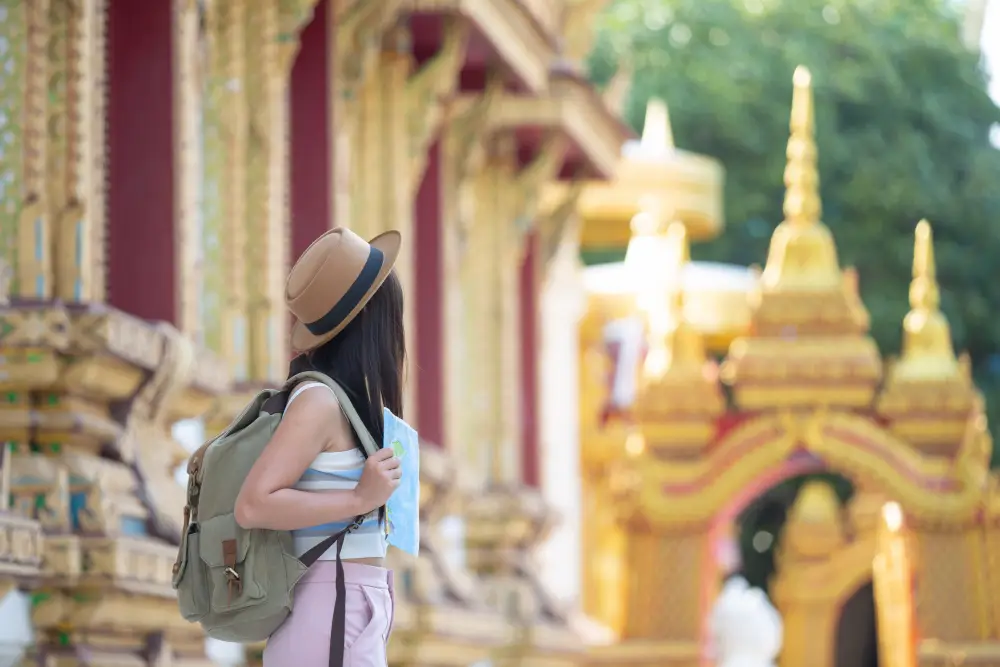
(232, 581)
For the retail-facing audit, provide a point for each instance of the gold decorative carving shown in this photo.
(543, 168)
(557, 219)
(361, 26)
(468, 130)
(429, 89)
(34, 253)
(293, 16)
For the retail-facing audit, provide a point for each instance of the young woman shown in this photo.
(313, 477)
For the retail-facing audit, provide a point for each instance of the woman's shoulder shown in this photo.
(320, 412)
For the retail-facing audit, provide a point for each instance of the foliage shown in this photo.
(903, 120)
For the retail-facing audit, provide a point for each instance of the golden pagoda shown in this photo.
(804, 399)
(808, 325)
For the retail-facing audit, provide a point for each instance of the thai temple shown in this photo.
(592, 436)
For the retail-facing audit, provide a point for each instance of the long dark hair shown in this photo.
(367, 358)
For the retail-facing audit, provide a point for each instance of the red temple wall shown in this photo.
(310, 117)
(429, 303)
(528, 303)
(142, 253)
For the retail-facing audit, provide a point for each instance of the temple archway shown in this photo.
(795, 524)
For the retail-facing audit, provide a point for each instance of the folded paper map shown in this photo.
(403, 508)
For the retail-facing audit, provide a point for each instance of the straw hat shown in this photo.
(333, 280)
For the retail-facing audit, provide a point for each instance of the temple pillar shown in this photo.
(382, 196)
(267, 191)
(560, 307)
(462, 154)
(225, 132)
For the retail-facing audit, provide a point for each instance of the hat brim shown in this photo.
(389, 243)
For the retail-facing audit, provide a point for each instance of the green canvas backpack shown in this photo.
(239, 583)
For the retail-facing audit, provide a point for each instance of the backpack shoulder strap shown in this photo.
(367, 441)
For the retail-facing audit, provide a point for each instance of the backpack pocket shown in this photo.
(234, 556)
(191, 578)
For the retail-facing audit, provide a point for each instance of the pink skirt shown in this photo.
(304, 639)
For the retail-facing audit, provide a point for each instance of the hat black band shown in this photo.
(352, 297)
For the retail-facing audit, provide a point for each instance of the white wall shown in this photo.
(16, 633)
(561, 304)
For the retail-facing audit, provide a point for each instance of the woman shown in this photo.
(313, 477)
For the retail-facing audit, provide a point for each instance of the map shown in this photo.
(403, 509)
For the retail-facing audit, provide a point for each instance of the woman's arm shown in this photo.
(312, 424)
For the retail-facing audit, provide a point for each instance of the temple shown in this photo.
(723, 403)
(590, 435)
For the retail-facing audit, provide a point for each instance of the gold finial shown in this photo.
(802, 256)
(928, 353)
(924, 293)
(802, 202)
(657, 135)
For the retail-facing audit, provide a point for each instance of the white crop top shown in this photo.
(331, 471)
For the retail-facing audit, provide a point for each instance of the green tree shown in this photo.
(903, 120)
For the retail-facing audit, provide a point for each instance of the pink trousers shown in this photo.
(304, 639)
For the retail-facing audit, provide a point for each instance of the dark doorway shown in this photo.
(857, 635)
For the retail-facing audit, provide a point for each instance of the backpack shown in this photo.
(239, 583)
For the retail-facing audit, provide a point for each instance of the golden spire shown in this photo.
(657, 135)
(802, 202)
(802, 256)
(927, 349)
(924, 291)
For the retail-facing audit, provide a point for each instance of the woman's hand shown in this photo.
(380, 478)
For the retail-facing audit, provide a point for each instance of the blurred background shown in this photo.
(701, 303)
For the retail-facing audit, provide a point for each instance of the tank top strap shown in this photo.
(301, 388)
